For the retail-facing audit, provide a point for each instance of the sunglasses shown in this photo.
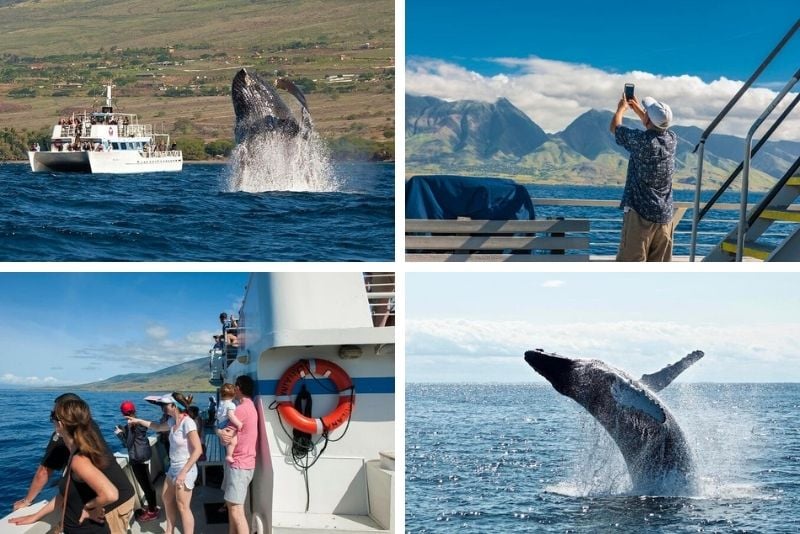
(53, 417)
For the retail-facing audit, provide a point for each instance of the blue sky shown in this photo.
(69, 328)
(555, 60)
(475, 327)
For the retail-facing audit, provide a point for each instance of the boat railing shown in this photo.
(68, 130)
(136, 130)
(606, 222)
(381, 296)
(749, 151)
(161, 153)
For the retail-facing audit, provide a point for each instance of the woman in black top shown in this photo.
(85, 488)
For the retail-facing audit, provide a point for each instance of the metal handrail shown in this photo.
(743, 224)
(761, 142)
(701, 144)
(768, 198)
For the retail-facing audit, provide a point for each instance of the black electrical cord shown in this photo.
(297, 459)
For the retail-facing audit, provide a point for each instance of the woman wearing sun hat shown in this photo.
(184, 450)
(134, 437)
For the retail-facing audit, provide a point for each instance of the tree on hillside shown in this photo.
(220, 147)
(192, 148)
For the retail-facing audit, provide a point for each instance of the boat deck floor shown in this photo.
(200, 497)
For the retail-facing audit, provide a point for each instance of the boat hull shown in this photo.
(111, 162)
(59, 161)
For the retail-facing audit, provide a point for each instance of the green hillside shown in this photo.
(172, 62)
(188, 376)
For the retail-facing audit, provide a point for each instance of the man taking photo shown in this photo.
(647, 225)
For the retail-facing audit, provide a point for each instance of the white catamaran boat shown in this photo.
(106, 141)
(334, 334)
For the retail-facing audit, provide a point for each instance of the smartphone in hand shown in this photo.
(628, 91)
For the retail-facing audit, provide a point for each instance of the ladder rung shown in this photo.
(781, 215)
(751, 249)
(794, 180)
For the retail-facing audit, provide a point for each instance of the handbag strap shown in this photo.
(66, 491)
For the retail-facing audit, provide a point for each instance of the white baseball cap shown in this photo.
(161, 399)
(660, 114)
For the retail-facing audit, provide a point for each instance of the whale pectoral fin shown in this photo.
(661, 379)
(286, 85)
(631, 398)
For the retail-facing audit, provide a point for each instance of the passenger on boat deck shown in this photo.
(95, 490)
(184, 451)
(212, 410)
(218, 343)
(227, 422)
(228, 324)
(134, 438)
(239, 473)
(647, 225)
(54, 459)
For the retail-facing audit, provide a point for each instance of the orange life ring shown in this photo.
(110, 131)
(321, 369)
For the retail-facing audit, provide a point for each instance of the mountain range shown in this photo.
(188, 376)
(497, 139)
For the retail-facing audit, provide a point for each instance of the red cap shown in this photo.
(127, 408)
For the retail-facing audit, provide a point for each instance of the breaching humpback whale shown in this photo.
(259, 109)
(655, 450)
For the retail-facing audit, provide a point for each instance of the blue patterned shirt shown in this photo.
(648, 185)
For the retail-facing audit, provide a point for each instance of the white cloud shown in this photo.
(153, 352)
(732, 351)
(553, 93)
(32, 381)
(157, 331)
(553, 283)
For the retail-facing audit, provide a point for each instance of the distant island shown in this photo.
(188, 376)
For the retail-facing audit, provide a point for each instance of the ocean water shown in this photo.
(523, 458)
(26, 429)
(196, 215)
(606, 223)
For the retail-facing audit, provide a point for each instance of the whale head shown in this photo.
(556, 369)
(594, 384)
(258, 107)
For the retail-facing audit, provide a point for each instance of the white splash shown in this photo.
(269, 162)
(599, 468)
(719, 429)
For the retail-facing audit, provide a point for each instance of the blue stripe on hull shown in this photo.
(372, 384)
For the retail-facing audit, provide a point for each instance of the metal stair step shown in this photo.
(751, 249)
(781, 215)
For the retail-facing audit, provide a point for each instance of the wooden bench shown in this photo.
(473, 240)
(215, 453)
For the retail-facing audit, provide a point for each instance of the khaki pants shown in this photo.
(643, 240)
(119, 518)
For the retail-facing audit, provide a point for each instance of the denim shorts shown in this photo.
(191, 476)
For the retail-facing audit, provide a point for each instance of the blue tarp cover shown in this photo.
(450, 197)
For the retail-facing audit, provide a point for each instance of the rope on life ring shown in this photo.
(321, 369)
